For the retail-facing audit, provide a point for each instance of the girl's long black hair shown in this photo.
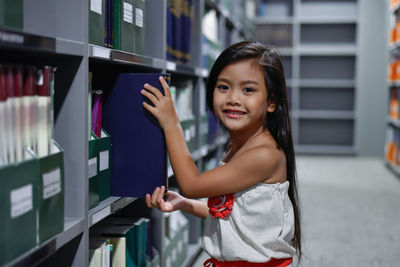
(277, 122)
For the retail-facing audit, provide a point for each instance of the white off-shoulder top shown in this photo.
(260, 226)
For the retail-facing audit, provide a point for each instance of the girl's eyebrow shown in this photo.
(242, 82)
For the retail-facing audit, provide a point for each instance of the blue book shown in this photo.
(186, 33)
(139, 154)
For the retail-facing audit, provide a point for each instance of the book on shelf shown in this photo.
(124, 27)
(97, 20)
(26, 120)
(138, 143)
(12, 14)
(128, 238)
(180, 14)
(109, 24)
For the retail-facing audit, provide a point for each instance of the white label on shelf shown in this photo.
(92, 167)
(171, 65)
(101, 52)
(95, 6)
(98, 216)
(128, 12)
(139, 17)
(104, 158)
(21, 200)
(51, 183)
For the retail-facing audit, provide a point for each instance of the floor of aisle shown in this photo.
(350, 212)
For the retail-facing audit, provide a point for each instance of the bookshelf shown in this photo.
(334, 58)
(392, 116)
(320, 59)
(50, 36)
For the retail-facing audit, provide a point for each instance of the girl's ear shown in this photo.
(271, 104)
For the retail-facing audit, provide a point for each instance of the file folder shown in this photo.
(139, 155)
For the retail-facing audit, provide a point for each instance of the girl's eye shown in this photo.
(222, 87)
(248, 90)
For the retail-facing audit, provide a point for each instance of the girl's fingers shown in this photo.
(165, 86)
(150, 108)
(153, 90)
(160, 194)
(154, 197)
(148, 203)
(150, 96)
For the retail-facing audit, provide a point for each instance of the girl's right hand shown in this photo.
(173, 202)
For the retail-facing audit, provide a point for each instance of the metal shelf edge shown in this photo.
(26, 41)
(107, 207)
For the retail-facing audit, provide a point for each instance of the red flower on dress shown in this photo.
(221, 206)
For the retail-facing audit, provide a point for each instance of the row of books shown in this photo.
(394, 67)
(394, 107)
(118, 24)
(12, 14)
(394, 3)
(122, 242)
(180, 15)
(392, 146)
(26, 119)
(394, 32)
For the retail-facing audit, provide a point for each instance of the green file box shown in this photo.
(189, 131)
(51, 194)
(204, 130)
(92, 173)
(12, 14)
(97, 13)
(103, 152)
(124, 25)
(140, 15)
(135, 235)
(18, 207)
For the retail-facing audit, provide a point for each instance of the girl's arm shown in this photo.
(247, 169)
(175, 201)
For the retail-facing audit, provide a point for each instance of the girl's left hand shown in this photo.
(163, 109)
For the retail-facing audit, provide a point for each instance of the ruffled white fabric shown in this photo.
(260, 227)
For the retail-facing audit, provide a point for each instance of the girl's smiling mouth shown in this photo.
(233, 113)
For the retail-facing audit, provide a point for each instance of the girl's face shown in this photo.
(240, 97)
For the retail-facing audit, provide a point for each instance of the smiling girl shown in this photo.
(252, 214)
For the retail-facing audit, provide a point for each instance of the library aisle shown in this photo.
(350, 212)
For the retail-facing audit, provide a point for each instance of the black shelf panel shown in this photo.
(23, 41)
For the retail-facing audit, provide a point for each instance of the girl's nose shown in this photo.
(233, 98)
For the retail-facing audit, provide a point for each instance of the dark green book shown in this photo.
(124, 27)
(12, 14)
(96, 21)
(140, 15)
